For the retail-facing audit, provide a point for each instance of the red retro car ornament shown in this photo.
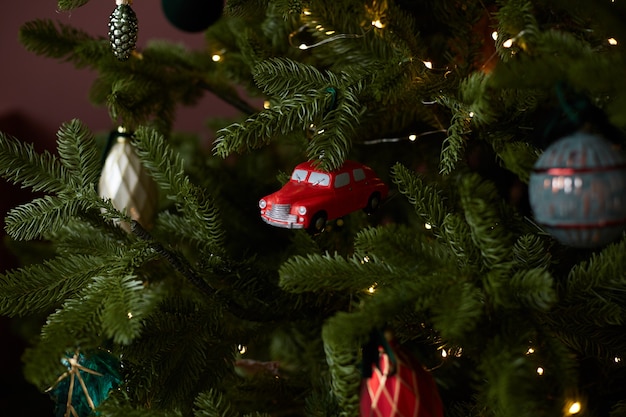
(312, 197)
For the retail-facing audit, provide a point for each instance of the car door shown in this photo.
(361, 187)
(344, 194)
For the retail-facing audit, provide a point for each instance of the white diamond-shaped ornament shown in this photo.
(127, 183)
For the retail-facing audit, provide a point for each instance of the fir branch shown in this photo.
(179, 229)
(20, 163)
(453, 148)
(43, 363)
(122, 407)
(181, 265)
(134, 100)
(31, 220)
(229, 96)
(480, 201)
(178, 263)
(571, 327)
(332, 142)
(477, 100)
(603, 270)
(400, 245)
(511, 387)
(393, 83)
(281, 77)
(71, 4)
(534, 288)
(515, 17)
(107, 211)
(167, 167)
(75, 324)
(531, 251)
(427, 199)
(43, 37)
(295, 113)
(331, 273)
(182, 351)
(40, 287)
(78, 153)
(519, 158)
(429, 205)
(593, 297)
(100, 311)
(458, 310)
(457, 235)
(212, 403)
(344, 333)
(127, 303)
(342, 358)
(168, 171)
(88, 237)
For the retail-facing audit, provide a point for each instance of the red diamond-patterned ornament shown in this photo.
(403, 390)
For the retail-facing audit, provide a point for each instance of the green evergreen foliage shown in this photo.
(214, 313)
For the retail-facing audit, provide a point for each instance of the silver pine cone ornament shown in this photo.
(123, 27)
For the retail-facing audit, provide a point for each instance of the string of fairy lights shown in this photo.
(377, 23)
(574, 405)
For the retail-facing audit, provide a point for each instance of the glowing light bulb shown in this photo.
(612, 41)
(377, 23)
(266, 104)
(306, 12)
(494, 35)
(372, 289)
(471, 114)
(412, 138)
(508, 43)
(574, 408)
(365, 259)
(428, 64)
(617, 359)
(242, 349)
(530, 351)
(444, 354)
(130, 315)
(428, 226)
(216, 57)
(540, 371)
(330, 32)
(303, 46)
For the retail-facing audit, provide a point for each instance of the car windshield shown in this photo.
(315, 178)
(299, 174)
(319, 178)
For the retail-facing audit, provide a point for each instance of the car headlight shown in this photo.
(302, 210)
(262, 204)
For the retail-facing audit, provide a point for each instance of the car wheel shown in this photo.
(318, 223)
(372, 203)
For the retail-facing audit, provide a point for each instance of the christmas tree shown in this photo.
(495, 260)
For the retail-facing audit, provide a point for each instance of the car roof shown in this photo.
(346, 166)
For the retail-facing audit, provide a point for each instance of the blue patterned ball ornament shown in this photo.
(577, 191)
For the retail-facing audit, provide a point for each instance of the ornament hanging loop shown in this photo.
(371, 354)
(333, 99)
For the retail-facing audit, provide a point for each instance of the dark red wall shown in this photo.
(36, 96)
(47, 92)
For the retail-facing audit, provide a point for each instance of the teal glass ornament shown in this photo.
(99, 372)
(577, 191)
(192, 15)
